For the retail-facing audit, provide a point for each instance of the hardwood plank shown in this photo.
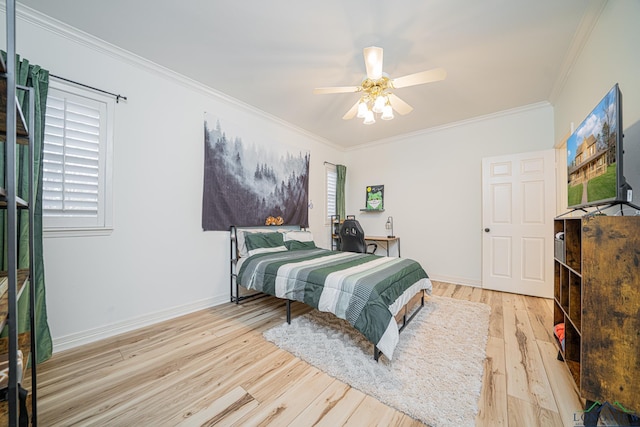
(272, 384)
(485, 296)
(324, 402)
(339, 413)
(371, 413)
(518, 301)
(461, 292)
(446, 289)
(496, 320)
(407, 421)
(227, 409)
(437, 288)
(492, 406)
(522, 413)
(540, 317)
(569, 403)
(283, 409)
(155, 384)
(527, 380)
(214, 366)
(476, 294)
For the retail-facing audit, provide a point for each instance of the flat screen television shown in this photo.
(595, 171)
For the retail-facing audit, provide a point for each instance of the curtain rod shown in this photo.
(329, 163)
(117, 96)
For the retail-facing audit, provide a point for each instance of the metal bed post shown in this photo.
(232, 259)
(405, 322)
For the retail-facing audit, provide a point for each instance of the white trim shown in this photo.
(477, 119)
(48, 233)
(465, 281)
(70, 341)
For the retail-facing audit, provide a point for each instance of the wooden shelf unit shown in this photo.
(22, 281)
(597, 297)
(16, 279)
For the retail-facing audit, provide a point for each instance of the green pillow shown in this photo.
(294, 245)
(264, 242)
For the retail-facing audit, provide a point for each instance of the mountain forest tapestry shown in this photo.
(244, 184)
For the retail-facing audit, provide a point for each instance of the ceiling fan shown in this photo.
(376, 88)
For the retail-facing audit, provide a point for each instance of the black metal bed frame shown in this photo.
(233, 261)
(233, 279)
(237, 298)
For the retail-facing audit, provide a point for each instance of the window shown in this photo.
(76, 196)
(331, 181)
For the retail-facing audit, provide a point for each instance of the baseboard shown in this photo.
(92, 335)
(457, 280)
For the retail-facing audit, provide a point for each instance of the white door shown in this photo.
(518, 207)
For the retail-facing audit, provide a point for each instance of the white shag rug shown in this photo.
(436, 372)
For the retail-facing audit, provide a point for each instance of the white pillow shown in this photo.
(300, 236)
(263, 250)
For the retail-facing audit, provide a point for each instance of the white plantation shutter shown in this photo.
(332, 180)
(74, 162)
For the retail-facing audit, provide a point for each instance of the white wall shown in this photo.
(609, 56)
(157, 263)
(433, 186)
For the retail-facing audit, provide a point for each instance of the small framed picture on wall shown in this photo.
(375, 198)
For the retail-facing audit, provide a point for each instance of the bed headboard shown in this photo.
(237, 241)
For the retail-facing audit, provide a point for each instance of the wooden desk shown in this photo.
(386, 241)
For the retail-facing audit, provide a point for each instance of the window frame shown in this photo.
(103, 225)
(329, 170)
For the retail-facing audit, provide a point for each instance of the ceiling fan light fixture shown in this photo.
(362, 109)
(387, 112)
(368, 118)
(376, 88)
(378, 105)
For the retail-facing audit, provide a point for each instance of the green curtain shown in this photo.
(341, 171)
(37, 78)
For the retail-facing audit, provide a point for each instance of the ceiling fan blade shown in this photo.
(428, 76)
(352, 112)
(399, 105)
(373, 62)
(336, 89)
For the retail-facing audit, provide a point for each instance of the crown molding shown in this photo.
(75, 35)
(499, 114)
(580, 39)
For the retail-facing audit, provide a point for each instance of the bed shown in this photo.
(373, 293)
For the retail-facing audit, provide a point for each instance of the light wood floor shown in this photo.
(214, 367)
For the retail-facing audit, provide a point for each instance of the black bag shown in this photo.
(23, 419)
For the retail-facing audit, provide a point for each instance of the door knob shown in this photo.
(486, 230)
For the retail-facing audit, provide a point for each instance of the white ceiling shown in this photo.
(499, 54)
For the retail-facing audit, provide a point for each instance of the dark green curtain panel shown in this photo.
(37, 78)
(341, 171)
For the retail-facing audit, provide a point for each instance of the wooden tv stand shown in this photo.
(597, 297)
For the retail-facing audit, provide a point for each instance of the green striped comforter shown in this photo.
(359, 288)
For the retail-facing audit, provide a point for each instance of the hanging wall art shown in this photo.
(245, 183)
